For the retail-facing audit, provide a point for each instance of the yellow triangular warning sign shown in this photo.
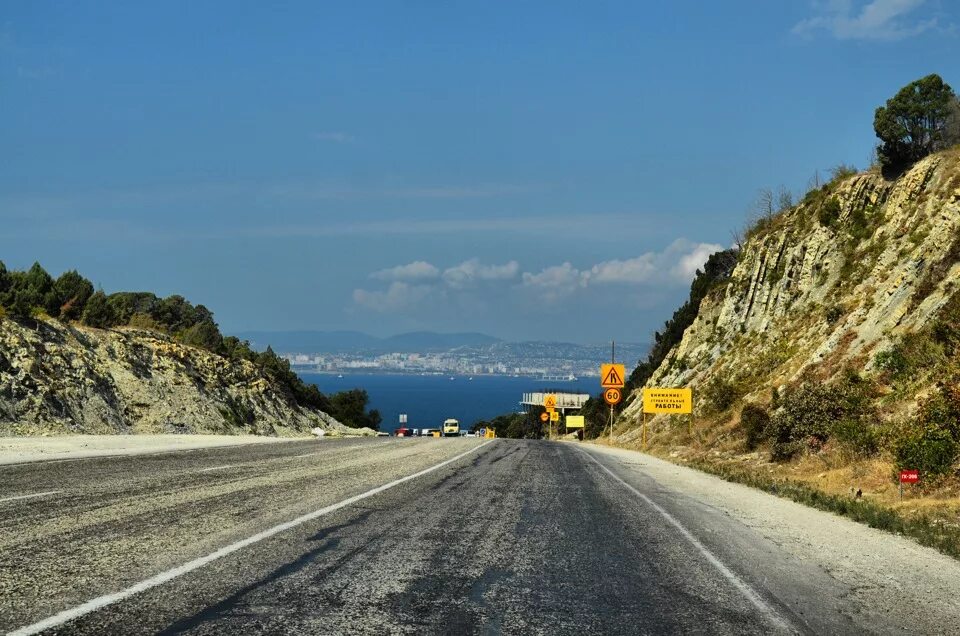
(611, 376)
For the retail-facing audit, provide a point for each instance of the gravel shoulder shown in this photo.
(17, 450)
(893, 582)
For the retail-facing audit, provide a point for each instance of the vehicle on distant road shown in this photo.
(427, 432)
(403, 432)
(451, 428)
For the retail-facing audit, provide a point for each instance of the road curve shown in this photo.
(398, 536)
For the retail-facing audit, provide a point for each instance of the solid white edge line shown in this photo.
(109, 599)
(36, 494)
(742, 586)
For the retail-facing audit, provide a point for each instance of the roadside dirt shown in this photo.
(16, 450)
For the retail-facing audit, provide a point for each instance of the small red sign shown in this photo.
(909, 476)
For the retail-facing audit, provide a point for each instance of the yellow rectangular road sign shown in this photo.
(612, 376)
(554, 416)
(668, 401)
(574, 421)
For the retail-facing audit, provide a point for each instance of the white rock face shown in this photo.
(61, 378)
(804, 293)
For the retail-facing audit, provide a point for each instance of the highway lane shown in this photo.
(513, 537)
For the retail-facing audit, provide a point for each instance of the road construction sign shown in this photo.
(611, 376)
(550, 401)
(574, 421)
(668, 401)
(612, 396)
(554, 416)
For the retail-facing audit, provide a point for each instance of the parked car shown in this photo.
(403, 432)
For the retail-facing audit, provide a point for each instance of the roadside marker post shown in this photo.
(612, 377)
(911, 476)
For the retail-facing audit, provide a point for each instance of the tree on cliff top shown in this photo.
(915, 122)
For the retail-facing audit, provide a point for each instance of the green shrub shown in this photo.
(755, 421)
(813, 412)
(835, 313)
(829, 212)
(721, 394)
(856, 436)
(931, 451)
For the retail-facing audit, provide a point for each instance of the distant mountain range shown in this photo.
(356, 341)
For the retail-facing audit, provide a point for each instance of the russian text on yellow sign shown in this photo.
(554, 416)
(574, 421)
(611, 376)
(668, 401)
(550, 400)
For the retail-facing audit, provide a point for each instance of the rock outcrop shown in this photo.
(65, 378)
(828, 283)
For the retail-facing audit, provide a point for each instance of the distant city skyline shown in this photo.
(534, 171)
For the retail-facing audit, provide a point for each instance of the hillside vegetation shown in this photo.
(77, 360)
(829, 358)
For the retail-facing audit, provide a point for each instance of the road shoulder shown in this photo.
(892, 580)
(19, 450)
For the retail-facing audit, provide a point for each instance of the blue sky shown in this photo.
(534, 170)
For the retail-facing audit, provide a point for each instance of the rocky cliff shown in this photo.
(826, 284)
(66, 378)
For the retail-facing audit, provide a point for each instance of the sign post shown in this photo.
(677, 401)
(909, 477)
(612, 380)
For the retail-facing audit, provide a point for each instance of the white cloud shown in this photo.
(875, 20)
(399, 295)
(417, 270)
(557, 278)
(469, 272)
(334, 136)
(677, 264)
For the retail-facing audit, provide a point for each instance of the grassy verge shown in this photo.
(925, 530)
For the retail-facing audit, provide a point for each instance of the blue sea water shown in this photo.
(429, 399)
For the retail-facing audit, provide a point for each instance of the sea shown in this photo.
(429, 399)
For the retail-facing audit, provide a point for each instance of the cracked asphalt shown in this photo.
(515, 537)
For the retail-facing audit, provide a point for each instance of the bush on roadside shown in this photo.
(932, 444)
(720, 394)
(813, 412)
(755, 421)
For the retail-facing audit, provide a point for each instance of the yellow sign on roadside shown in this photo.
(554, 416)
(550, 401)
(668, 401)
(544, 417)
(612, 376)
(574, 421)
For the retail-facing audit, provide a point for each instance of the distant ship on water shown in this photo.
(559, 378)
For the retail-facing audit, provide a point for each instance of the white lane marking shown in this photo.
(109, 599)
(36, 494)
(207, 470)
(742, 586)
(305, 455)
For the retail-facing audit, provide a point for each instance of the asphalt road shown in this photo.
(512, 537)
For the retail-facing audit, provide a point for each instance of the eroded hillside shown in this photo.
(57, 377)
(830, 282)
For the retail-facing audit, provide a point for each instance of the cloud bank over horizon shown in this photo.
(417, 285)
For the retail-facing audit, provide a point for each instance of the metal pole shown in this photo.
(613, 359)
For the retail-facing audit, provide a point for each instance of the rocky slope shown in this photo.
(65, 378)
(828, 283)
